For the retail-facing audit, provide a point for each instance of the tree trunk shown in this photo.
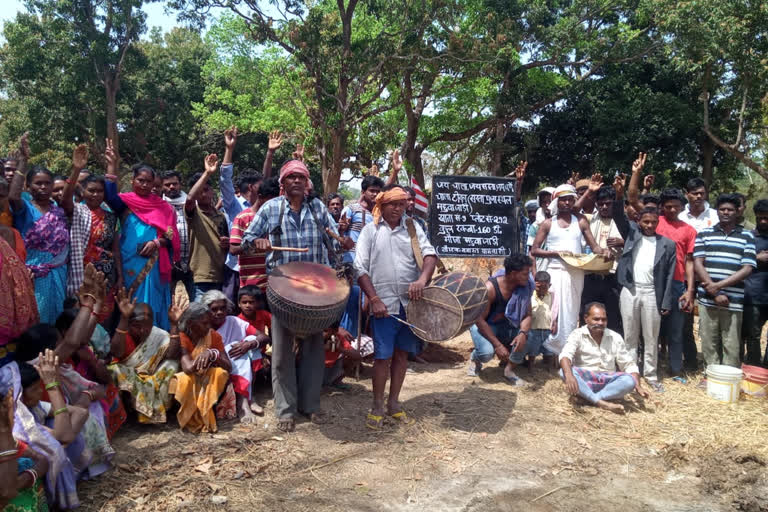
(332, 176)
(413, 156)
(110, 93)
(707, 155)
(498, 149)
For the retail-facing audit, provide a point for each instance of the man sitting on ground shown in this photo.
(589, 361)
(493, 333)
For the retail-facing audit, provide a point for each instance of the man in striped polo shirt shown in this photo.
(723, 257)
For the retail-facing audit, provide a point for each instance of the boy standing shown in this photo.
(543, 313)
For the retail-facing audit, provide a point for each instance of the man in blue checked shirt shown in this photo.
(723, 257)
(296, 389)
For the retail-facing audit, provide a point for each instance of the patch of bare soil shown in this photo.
(477, 444)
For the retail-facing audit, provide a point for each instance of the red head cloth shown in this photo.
(293, 167)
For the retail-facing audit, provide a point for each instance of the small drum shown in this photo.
(307, 297)
(450, 304)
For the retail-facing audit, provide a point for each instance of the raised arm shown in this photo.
(17, 183)
(586, 202)
(633, 194)
(111, 195)
(275, 141)
(211, 162)
(620, 218)
(397, 164)
(520, 176)
(126, 305)
(79, 161)
(48, 368)
(231, 205)
(92, 290)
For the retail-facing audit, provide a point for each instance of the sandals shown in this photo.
(374, 421)
(287, 424)
(402, 418)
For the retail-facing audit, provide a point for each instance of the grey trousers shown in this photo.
(638, 310)
(296, 387)
(720, 333)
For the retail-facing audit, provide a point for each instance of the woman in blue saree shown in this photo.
(149, 240)
(44, 228)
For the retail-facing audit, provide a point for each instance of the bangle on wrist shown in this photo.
(52, 385)
(121, 331)
(60, 411)
(111, 177)
(8, 453)
(32, 473)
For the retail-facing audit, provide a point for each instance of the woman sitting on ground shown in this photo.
(145, 357)
(243, 344)
(205, 368)
(65, 422)
(77, 389)
(21, 473)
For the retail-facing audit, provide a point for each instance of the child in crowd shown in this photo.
(543, 316)
(253, 308)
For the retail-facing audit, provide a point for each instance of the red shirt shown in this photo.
(261, 321)
(332, 357)
(684, 237)
(253, 267)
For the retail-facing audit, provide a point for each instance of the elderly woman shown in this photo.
(205, 368)
(242, 343)
(145, 357)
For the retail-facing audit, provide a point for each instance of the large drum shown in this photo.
(450, 304)
(307, 297)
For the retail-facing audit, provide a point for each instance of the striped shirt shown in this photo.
(300, 233)
(358, 217)
(723, 255)
(253, 264)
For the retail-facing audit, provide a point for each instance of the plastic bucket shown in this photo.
(755, 381)
(724, 383)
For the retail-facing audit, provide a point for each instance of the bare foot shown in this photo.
(318, 417)
(610, 406)
(256, 408)
(246, 416)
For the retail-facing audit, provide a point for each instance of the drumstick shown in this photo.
(409, 325)
(289, 249)
(333, 235)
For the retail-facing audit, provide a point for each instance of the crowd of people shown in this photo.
(153, 301)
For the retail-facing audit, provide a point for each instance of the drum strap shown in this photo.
(332, 256)
(417, 248)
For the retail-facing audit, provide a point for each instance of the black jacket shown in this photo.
(663, 261)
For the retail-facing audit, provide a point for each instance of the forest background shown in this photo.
(457, 86)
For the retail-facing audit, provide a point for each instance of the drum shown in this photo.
(307, 297)
(450, 304)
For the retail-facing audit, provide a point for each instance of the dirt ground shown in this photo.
(478, 444)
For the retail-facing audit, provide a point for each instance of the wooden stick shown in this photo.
(333, 235)
(409, 325)
(289, 249)
(550, 492)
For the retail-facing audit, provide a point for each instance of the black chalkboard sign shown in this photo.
(474, 217)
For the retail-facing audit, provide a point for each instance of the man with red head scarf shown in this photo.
(293, 220)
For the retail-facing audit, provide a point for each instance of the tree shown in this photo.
(103, 32)
(724, 43)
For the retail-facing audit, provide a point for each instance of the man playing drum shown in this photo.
(292, 221)
(389, 275)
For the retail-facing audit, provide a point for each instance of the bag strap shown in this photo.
(332, 256)
(417, 248)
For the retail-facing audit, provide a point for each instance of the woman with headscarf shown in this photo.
(242, 343)
(149, 240)
(206, 369)
(562, 233)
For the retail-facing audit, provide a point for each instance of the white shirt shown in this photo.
(584, 352)
(706, 219)
(386, 256)
(642, 268)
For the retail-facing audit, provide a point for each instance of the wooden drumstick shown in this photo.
(333, 235)
(289, 249)
(409, 325)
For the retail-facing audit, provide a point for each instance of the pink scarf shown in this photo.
(160, 215)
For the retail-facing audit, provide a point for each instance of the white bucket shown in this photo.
(724, 383)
